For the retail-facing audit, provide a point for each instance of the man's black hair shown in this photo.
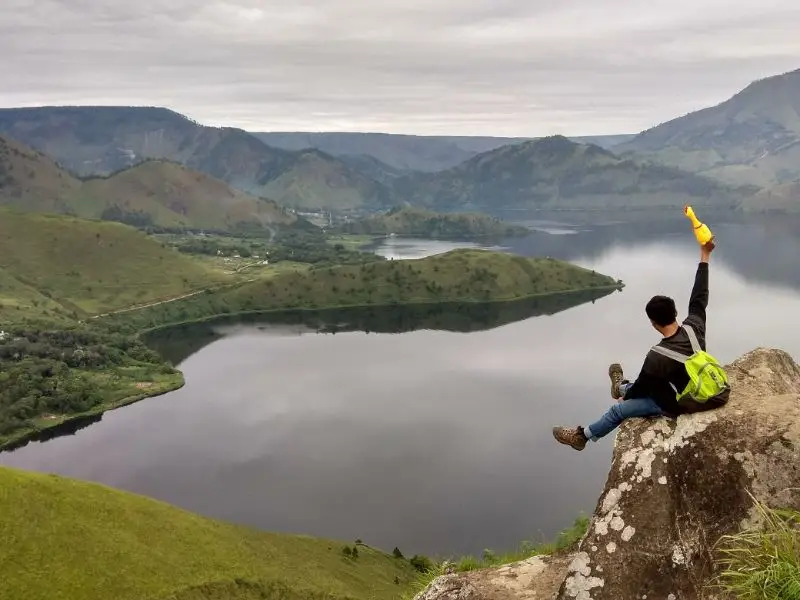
(661, 310)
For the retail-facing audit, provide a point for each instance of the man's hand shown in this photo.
(706, 250)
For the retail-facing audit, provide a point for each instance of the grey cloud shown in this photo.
(503, 67)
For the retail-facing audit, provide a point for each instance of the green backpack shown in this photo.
(708, 385)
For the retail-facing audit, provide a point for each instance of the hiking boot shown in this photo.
(615, 374)
(571, 436)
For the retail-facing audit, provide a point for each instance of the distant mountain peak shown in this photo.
(750, 138)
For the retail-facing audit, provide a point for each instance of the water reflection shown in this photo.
(67, 428)
(176, 344)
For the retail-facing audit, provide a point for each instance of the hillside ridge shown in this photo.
(99, 140)
(752, 137)
(555, 173)
(153, 192)
(145, 548)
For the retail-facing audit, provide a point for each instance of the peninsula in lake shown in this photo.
(75, 294)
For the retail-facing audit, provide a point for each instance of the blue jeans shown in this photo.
(614, 416)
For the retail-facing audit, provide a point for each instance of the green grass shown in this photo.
(455, 276)
(69, 540)
(565, 540)
(763, 563)
(22, 303)
(94, 266)
(350, 241)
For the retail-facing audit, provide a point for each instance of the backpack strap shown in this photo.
(670, 354)
(692, 338)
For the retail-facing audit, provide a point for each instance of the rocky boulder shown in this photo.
(675, 487)
(532, 579)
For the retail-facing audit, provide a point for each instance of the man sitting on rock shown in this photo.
(654, 391)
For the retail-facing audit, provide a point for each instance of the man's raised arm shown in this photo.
(698, 301)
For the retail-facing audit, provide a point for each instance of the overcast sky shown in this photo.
(484, 67)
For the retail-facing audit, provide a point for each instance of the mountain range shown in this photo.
(102, 140)
(154, 192)
(744, 151)
(555, 172)
(406, 153)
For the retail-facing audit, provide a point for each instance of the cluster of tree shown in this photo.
(321, 255)
(55, 372)
(420, 562)
(134, 218)
(311, 247)
(350, 552)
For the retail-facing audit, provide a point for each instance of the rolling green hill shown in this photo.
(72, 540)
(92, 266)
(317, 181)
(753, 137)
(22, 302)
(455, 276)
(555, 172)
(426, 223)
(155, 192)
(56, 270)
(99, 140)
(172, 195)
(29, 180)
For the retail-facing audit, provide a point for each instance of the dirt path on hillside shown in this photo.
(168, 300)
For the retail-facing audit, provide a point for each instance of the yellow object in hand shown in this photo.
(701, 230)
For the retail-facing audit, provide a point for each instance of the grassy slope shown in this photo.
(458, 275)
(177, 196)
(68, 540)
(94, 266)
(20, 302)
(317, 181)
(173, 195)
(752, 137)
(417, 221)
(31, 181)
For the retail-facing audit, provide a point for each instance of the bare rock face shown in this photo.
(676, 486)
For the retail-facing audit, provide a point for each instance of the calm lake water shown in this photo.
(437, 441)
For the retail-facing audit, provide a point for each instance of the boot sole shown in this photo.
(612, 370)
